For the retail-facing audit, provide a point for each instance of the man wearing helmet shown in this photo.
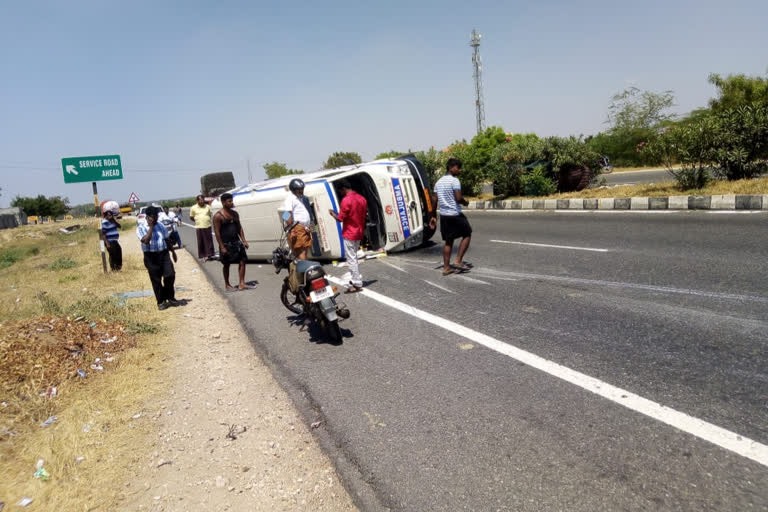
(298, 207)
(110, 230)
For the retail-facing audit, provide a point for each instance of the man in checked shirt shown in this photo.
(155, 244)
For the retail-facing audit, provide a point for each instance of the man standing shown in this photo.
(352, 217)
(169, 221)
(155, 244)
(231, 239)
(110, 231)
(453, 223)
(201, 215)
(297, 206)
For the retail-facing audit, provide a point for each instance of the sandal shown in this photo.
(353, 289)
(463, 267)
(450, 271)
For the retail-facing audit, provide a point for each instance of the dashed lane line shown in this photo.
(569, 247)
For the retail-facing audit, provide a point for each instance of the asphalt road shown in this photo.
(450, 412)
(637, 177)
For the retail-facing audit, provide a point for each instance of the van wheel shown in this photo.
(290, 300)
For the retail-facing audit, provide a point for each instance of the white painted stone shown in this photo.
(527, 204)
(678, 203)
(576, 204)
(638, 203)
(765, 201)
(550, 204)
(605, 203)
(723, 202)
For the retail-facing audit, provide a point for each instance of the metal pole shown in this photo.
(101, 233)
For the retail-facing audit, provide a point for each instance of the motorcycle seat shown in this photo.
(303, 265)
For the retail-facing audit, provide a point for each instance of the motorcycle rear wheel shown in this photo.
(333, 331)
(290, 301)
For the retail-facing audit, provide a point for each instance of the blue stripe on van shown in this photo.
(338, 224)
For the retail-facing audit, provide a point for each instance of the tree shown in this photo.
(340, 159)
(42, 206)
(390, 154)
(633, 109)
(277, 169)
(737, 90)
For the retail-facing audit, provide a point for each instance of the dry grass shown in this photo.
(669, 188)
(34, 292)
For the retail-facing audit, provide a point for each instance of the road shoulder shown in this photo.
(227, 437)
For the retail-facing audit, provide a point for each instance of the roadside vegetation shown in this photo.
(77, 363)
(669, 188)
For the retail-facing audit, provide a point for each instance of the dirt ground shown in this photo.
(224, 436)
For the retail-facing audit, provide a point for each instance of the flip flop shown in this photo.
(449, 272)
(353, 289)
(463, 267)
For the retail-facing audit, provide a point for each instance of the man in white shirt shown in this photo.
(297, 206)
(169, 220)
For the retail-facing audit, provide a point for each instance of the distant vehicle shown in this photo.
(216, 183)
(605, 165)
(399, 208)
(142, 214)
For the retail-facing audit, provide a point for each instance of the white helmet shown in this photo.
(110, 206)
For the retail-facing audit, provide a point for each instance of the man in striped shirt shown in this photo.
(453, 223)
(110, 231)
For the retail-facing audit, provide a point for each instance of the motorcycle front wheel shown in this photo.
(289, 300)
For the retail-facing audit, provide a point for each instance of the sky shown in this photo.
(182, 88)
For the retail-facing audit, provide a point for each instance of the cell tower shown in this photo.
(477, 64)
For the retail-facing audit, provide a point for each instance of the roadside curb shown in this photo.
(714, 202)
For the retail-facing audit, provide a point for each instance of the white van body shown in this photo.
(399, 206)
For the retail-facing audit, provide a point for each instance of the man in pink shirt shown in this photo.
(352, 217)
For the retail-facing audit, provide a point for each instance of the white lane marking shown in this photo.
(571, 247)
(734, 212)
(188, 225)
(438, 286)
(393, 266)
(617, 284)
(471, 279)
(703, 430)
(494, 274)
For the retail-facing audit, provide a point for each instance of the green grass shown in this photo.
(12, 255)
(63, 263)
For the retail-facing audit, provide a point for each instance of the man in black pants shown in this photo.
(231, 239)
(155, 243)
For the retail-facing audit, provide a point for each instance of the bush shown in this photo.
(687, 144)
(13, 255)
(565, 154)
(63, 264)
(741, 142)
(537, 183)
(507, 161)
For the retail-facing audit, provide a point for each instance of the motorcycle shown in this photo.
(313, 297)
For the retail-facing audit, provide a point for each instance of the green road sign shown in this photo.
(91, 168)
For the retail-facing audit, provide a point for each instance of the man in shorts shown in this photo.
(231, 239)
(300, 237)
(453, 223)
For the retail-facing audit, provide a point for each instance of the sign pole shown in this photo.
(83, 169)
